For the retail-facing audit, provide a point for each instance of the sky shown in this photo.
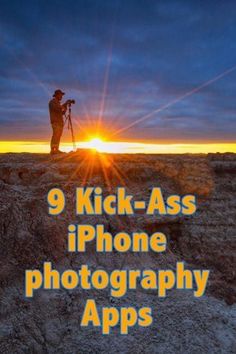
(122, 61)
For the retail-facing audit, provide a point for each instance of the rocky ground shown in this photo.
(50, 322)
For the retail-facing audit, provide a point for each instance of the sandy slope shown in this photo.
(50, 322)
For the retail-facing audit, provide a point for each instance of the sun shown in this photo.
(96, 144)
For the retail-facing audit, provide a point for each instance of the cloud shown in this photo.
(152, 52)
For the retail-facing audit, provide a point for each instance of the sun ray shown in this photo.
(176, 100)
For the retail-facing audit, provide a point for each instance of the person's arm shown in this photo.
(55, 107)
(64, 107)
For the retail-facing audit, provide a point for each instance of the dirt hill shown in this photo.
(50, 322)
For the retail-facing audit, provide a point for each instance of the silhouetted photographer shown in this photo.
(57, 110)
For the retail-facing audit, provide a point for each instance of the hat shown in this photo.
(58, 91)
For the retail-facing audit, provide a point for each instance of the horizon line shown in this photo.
(120, 147)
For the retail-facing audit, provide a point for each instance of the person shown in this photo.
(56, 111)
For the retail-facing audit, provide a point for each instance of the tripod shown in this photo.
(70, 126)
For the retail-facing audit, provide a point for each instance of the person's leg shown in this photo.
(53, 144)
(59, 134)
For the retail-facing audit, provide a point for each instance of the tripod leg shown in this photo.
(72, 135)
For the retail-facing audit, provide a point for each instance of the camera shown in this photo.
(70, 102)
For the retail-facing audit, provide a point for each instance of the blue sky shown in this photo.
(136, 55)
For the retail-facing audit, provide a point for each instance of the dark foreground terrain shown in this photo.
(50, 322)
